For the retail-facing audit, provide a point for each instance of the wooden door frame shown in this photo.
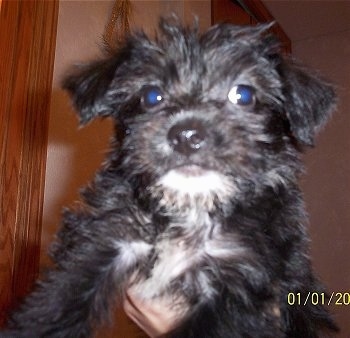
(262, 15)
(27, 49)
(255, 12)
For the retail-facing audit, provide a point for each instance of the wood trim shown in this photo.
(262, 15)
(228, 11)
(248, 12)
(27, 47)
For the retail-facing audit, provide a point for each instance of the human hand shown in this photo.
(155, 317)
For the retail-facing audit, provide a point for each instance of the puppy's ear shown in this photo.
(88, 86)
(308, 102)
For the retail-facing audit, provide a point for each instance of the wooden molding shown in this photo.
(248, 12)
(262, 14)
(27, 47)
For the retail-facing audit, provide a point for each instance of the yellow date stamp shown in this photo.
(318, 298)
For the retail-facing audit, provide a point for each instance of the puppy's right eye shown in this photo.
(151, 97)
(242, 95)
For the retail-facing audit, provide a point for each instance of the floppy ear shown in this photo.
(308, 102)
(88, 86)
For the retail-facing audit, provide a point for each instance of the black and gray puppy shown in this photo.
(198, 201)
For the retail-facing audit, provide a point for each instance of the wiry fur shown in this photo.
(219, 231)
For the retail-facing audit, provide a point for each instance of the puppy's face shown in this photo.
(207, 118)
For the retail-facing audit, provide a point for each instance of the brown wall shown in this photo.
(320, 34)
(327, 182)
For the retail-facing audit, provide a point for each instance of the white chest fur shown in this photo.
(196, 251)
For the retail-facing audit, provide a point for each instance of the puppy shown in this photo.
(198, 201)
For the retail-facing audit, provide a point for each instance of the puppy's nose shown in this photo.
(187, 137)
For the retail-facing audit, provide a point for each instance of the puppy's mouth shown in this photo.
(191, 180)
(191, 185)
(190, 170)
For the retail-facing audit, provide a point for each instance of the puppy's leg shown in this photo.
(75, 297)
(69, 303)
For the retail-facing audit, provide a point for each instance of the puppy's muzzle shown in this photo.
(187, 137)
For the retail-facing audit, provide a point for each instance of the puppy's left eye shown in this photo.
(242, 95)
(151, 97)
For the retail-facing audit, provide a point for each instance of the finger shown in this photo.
(141, 318)
(156, 317)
